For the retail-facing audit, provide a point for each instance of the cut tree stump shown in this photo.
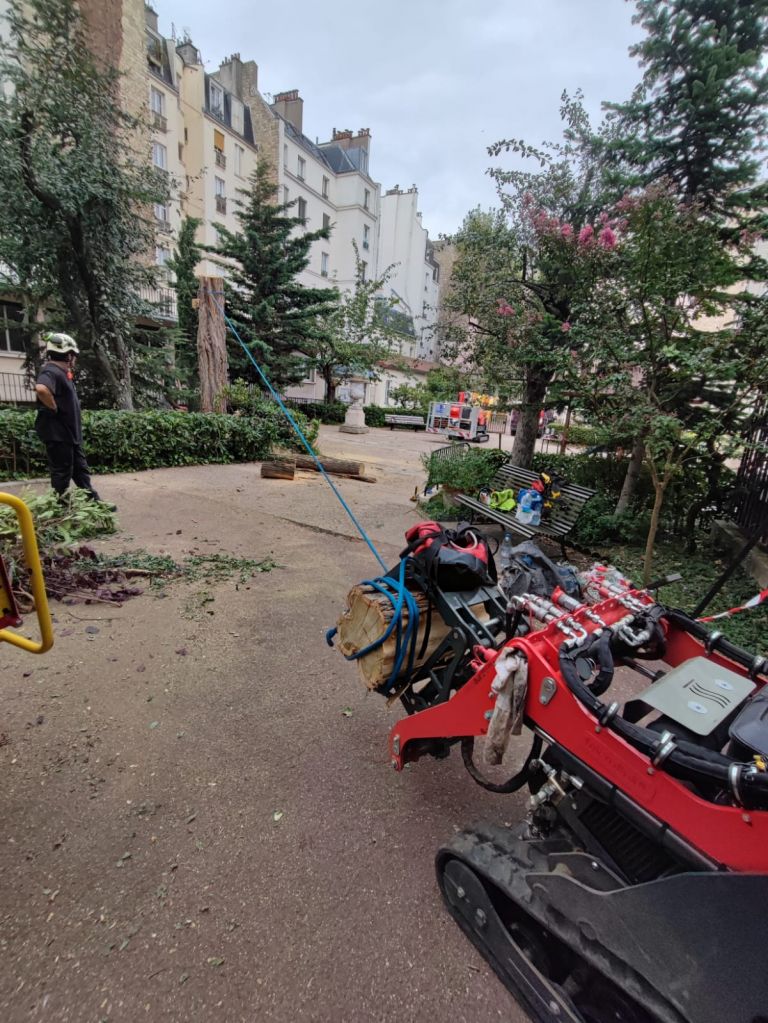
(279, 469)
(340, 466)
(366, 619)
(212, 345)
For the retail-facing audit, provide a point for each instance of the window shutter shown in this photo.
(218, 140)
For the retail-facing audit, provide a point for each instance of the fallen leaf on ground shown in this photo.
(277, 815)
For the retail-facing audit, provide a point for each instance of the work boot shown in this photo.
(93, 496)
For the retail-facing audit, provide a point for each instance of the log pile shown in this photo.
(366, 618)
(285, 466)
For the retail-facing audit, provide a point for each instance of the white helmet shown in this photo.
(62, 344)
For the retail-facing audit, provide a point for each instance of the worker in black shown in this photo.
(59, 423)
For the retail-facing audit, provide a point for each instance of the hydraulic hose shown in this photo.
(685, 760)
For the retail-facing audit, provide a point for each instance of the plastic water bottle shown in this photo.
(505, 552)
(528, 507)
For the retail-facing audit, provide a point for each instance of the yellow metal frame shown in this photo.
(37, 582)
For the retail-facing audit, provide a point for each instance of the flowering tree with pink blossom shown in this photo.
(665, 351)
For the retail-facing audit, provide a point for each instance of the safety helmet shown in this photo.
(62, 344)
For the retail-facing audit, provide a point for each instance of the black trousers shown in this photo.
(67, 463)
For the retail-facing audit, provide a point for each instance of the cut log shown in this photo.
(366, 619)
(279, 469)
(338, 465)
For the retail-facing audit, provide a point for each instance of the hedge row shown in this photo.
(335, 411)
(128, 441)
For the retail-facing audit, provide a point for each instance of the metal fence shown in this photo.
(750, 507)
(160, 304)
(16, 389)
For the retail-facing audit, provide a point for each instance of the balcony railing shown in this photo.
(221, 160)
(159, 122)
(160, 303)
(221, 204)
(163, 226)
(16, 388)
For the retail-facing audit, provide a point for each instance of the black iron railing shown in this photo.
(750, 505)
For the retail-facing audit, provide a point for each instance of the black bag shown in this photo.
(531, 571)
(451, 559)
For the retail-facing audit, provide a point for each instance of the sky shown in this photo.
(436, 81)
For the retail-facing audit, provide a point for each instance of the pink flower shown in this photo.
(566, 231)
(504, 308)
(585, 234)
(565, 326)
(603, 218)
(607, 238)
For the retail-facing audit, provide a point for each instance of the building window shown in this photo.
(159, 156)
(301, 210)
(324, 264)
(162, 255)
(366, 236)
(326, 182)
(310, 377)
(220, 190)
(364, 161)
(218, 148)
(156, 101)
(285, 155)
(326, 221)
(366, 200)
(217, 100)
(239, 154)
(302, 168)
(286, 195)
(11, 328)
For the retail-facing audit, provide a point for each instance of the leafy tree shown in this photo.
(662, 353)
(280, 320)
(698, 117)
(358, 332)
(75, 180)
(512, 291)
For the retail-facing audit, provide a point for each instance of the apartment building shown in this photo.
(202, 137)
(415, 277)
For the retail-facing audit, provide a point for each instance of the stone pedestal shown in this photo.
(354, 420)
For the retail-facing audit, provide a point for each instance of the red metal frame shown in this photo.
(735, 838)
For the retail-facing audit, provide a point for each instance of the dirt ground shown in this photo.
(190, 825)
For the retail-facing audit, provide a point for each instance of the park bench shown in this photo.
(414, 422)
(562, 517)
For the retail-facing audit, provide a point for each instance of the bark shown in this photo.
(534, 394)
(330, 384)
(660, 487)
(212, 346)
(337, 465)
(633, 475)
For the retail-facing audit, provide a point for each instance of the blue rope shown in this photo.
(398, 594)
(299, 432)
(395, 590)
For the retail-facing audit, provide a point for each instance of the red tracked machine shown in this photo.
(635, 890)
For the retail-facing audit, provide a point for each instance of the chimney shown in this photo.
(347, 140)
(290, 106)
(239, 77)
(188, 52)
(150, 15)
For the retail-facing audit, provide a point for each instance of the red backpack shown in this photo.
(451, 559)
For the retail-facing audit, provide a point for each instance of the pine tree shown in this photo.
(183, 265)
(279, 319)
(698, 117)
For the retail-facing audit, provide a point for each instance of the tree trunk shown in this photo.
(337, 465)
(534, 393)
(279, 469)
(330, 384)
(212, 346)
(660, 487)
(632, 476)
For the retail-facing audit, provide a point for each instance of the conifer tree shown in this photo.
(698, 117)
(279, 319)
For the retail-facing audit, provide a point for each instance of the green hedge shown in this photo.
(127, 441)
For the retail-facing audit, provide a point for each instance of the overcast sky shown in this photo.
(436, 81)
